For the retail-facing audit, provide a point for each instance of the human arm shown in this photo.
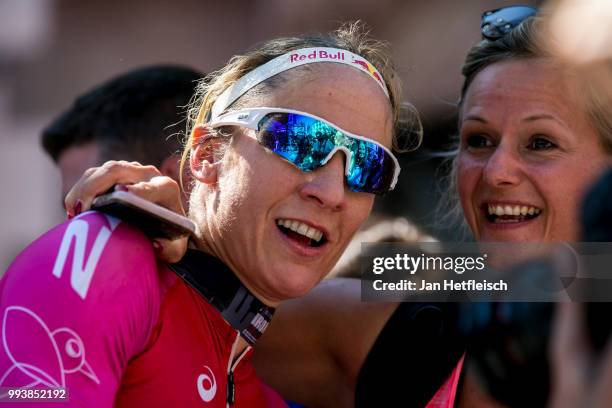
(144, 181)
(314, 348)
(579, 376)
(329, 348)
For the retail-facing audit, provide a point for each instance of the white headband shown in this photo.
(290, 60)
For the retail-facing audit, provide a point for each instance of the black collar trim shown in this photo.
(212, 279)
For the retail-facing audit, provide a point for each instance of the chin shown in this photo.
(295, 284)
(530, 231)
(510, 236)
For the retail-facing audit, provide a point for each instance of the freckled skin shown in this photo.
(256, 187)
(526, 138)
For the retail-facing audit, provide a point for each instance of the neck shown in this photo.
(214, 250)
(209, 239)
(216, 283)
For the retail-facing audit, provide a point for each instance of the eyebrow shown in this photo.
(544, 116)
(531, 118)
(475, 117)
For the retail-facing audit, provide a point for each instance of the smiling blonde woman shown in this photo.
(288, 146)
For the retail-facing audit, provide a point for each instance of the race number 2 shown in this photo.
(82, 269)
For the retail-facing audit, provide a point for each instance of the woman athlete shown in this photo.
(288, 146)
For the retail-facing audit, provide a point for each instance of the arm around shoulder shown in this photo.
(314, 348)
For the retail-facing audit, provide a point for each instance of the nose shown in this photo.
(325, 186)
(503, 168)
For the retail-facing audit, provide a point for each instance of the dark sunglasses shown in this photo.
(497, 23)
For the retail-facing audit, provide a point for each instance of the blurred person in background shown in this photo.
(137, 116)
(581, 33)
(275, 204)
(530, 145)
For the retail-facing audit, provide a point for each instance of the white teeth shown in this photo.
(514, 210)
(312, 233)
(301, 229)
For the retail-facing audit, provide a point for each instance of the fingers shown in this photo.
(170, 251)
(602, 393)
(161, 190)
(144, 181)
(572, 363)
(98, 180)
(570, 356)
(569, 330)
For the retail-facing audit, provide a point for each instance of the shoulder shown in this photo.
(90, 268)
(349, 325)
(336, 303)
(90, 251)
(87, 294)
(327, 334)
(424, 344)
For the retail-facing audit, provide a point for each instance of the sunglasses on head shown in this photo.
(497, 23)
(309, 142)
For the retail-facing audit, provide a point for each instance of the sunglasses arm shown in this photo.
(248, 118)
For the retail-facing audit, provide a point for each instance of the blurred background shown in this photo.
(53, 50)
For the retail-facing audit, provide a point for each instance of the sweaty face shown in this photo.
(528, 153)
(279, 228)
(74, 161)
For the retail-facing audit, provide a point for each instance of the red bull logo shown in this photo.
(323, 55)
(317, 55)
(369, 67)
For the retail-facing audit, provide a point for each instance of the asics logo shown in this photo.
(207, 386)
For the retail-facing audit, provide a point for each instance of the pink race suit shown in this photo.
(87, 308)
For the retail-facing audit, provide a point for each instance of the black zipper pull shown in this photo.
(230, 388)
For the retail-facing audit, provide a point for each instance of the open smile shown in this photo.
(509, 213)
(302, 234)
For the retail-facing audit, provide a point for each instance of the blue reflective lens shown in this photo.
(371, 168)
(306, 142)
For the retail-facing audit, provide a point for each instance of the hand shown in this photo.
(144, 181)
(579, 379)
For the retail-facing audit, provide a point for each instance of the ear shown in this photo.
(204, 167)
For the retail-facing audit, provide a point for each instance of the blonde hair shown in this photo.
(525, 41)
(353, 37)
